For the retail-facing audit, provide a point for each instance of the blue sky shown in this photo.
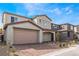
(58, 12)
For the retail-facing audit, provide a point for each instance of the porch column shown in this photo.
(54, 37)
(40, 36)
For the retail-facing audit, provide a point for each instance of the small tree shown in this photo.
(0, 30)
(75, 38)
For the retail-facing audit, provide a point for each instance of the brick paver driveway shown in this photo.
(35, 49)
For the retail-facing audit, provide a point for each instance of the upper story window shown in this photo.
(13, 19)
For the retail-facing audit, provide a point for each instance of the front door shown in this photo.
(52, 37)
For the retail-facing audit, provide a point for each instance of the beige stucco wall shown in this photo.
(46, 37)
(78, 36)
(7, 18)
(45, 22)
(8, 36)
(75, 29)
(9, 31)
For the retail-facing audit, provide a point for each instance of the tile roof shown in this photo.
(41, 15)
(16, 15)
(5, 26)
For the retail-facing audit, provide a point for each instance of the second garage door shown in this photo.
(22, 36)
(46, 37)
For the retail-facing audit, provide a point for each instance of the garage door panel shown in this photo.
(46, 37)
(25, 36)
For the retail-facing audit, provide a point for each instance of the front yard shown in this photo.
(39, 49)
(29, 49)
(35, 49)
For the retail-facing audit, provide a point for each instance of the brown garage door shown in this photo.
(46, 37)
(25, 36)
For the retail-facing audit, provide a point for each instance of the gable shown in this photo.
(42, 17)
(26, 25)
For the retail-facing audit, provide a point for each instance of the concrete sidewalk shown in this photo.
(58, 52)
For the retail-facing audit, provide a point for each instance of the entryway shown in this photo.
(52, 37)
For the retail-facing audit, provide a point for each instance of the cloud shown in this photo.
(38, 8)
(57, 11)
(34, 8)
(68, 10)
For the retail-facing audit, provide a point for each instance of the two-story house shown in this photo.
(23, 30)
(67, 31)
(20, 29)
(67, 26)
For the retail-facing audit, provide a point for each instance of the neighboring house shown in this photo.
(67, 31)
(76, 30)
(22, 30)
(67, 26)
